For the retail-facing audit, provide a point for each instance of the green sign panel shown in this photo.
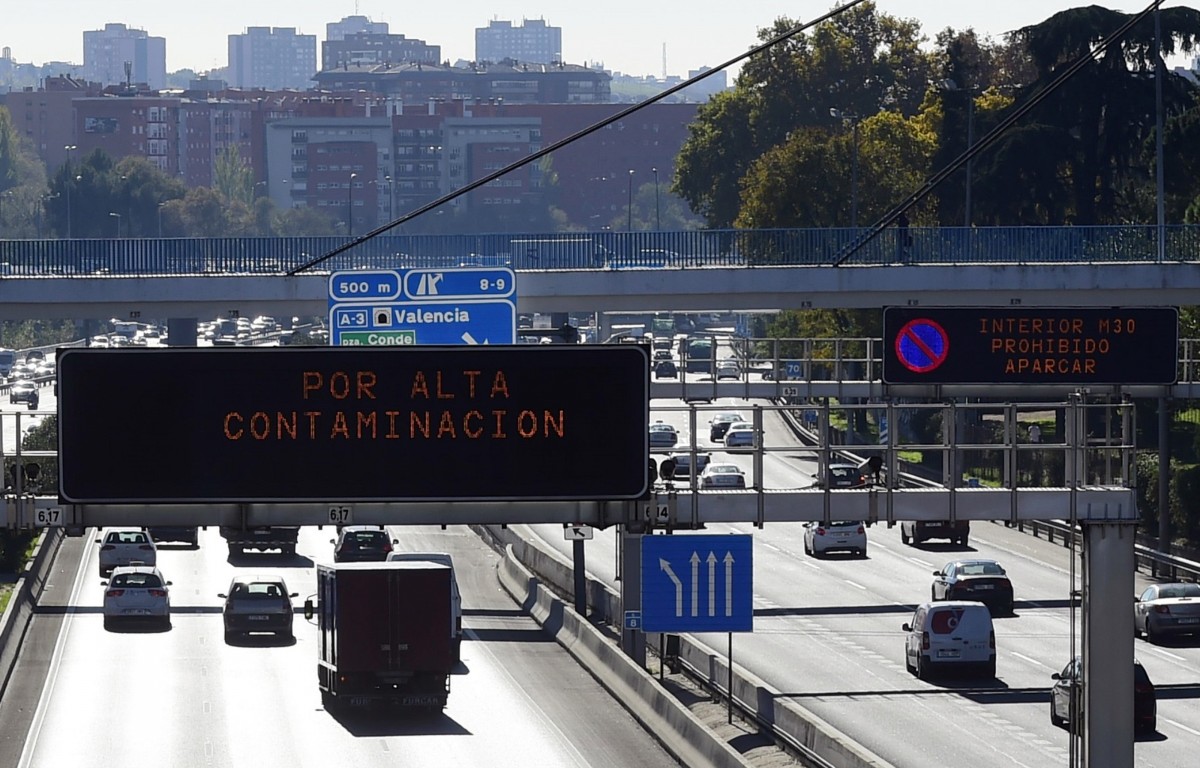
(377, 338)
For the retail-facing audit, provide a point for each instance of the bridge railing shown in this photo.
(684, 249)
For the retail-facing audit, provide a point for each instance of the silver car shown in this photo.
(122, 546)
(1167, 609)
(136, 592)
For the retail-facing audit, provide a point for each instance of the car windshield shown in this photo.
(724, 469)
(136, 580)
(128, 537)
(661, 428)
(365, 538)
(258, 590)
(843, 473)
(1179, 590)
(845, 524)
(980, 569)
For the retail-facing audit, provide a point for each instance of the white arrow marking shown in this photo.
(467, 337)
(695, 561)
(666, 568)
(728, 583)
(712, 584)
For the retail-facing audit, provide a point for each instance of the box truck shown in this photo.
(381, 634)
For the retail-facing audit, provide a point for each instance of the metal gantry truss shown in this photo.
(1081, 467)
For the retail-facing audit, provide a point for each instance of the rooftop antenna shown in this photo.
(664, 61)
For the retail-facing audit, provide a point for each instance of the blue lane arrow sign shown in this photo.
(697, 583)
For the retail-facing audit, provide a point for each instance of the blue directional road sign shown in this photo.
(432, 322)
(475, 305)
(365, 285)
(475, 282)
(697, 583)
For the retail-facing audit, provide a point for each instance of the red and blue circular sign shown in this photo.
(922, 345)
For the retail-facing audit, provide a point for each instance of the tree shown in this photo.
(860, 62)
(232, 178)
(1098, 121)
(808, 180)
(22, 182)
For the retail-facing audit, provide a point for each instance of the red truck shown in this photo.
(381, 634)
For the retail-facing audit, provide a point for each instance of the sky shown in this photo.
(627, 36)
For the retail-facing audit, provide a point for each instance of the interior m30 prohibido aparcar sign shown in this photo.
(1030, 345)
(428, 423)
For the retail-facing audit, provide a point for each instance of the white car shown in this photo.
(741, 434)
(728, 369)
(122, 546)
(838, 536)
(136, 591)
(663, 435)
(722, 475)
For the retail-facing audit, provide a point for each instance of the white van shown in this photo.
(950, 633)
(442, 558)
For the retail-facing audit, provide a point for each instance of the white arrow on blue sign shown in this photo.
(474, 305)
(432, 322)
(697, 583)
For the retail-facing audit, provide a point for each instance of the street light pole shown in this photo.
(854, 120)
(70, 148)
(629, 204)
(657, 219)
(970, 144)
(350, 205)
(118, 217)
(160, 205)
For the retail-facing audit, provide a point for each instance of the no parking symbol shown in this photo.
(922, 345)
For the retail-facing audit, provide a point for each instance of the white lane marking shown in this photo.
(39, 715)
(919, 561)
(811, 564)
(854, 584)
(1180, 726)
(1168, 654)
(1031, 661)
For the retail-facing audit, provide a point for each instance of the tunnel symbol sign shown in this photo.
(922, 345)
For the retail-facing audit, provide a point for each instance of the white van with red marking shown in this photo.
(953, 633)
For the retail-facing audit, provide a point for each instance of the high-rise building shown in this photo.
(272, 58)
(354, 25)
(368, 49)
(533, 41)
(106, 52)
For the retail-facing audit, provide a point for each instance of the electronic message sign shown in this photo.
(1030, 345)
(353, 423)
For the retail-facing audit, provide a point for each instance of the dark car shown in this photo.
(23, 391)
(1066, 698)
(719, 425)
(361, 543)
(188, 534)
(984, 581)
(665, 369)
(257, 604)
(918, 531)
